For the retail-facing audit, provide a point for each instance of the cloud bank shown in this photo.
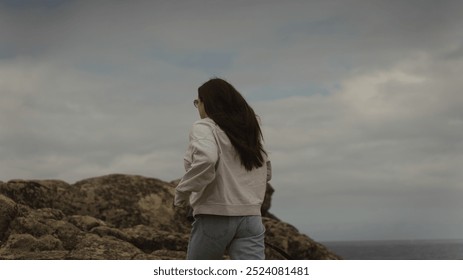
(360, 101)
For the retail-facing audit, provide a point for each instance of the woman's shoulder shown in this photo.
(203, 128)
(206, 122)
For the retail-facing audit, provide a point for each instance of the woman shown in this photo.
(227, 170)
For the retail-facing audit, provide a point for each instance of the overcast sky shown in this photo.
(361, 101)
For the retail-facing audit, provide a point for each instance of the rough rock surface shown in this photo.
(115, 217)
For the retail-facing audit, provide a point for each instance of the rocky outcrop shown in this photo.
(115, 217)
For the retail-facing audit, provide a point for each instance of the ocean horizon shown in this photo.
(446, 249)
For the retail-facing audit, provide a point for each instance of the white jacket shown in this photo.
(215, 182)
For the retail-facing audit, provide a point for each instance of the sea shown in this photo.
(398, 249)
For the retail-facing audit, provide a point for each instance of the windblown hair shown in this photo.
(227, 107)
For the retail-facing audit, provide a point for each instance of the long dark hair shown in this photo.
(227, 107)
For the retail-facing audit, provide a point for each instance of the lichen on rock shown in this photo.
(115, 217)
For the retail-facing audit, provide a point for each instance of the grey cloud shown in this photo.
(360, 100)
(386, 141)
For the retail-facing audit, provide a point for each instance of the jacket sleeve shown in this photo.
(204, 157)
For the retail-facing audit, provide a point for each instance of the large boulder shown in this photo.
(116, 217)
(8, 211)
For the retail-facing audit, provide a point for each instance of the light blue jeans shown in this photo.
(211, 235)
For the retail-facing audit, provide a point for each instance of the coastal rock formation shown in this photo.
(115, 217)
